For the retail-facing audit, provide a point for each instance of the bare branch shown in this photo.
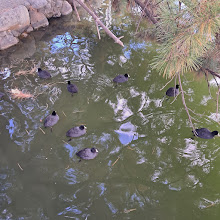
(184, 103)
(100, 23)
(97, 28)
(75, 9)
(167, 83)
(217, 104)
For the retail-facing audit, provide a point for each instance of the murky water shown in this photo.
(161, 172)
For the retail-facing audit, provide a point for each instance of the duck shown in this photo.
(1, 94)
(43, 74)
(121, 78)
(205, 133)
(172, 91)
(87, 153)
(76, 131)
(72, 88)
(51, 120)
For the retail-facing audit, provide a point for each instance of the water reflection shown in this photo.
(158, 162)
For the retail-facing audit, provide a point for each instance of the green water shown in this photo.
(161, 174)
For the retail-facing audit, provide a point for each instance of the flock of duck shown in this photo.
(91, 153)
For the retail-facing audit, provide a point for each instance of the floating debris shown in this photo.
(115, 161)
(17, 94)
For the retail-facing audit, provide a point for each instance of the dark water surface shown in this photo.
(162, 173)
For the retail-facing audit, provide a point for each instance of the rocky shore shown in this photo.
(20, 17)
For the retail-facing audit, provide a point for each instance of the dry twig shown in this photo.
(20, 166)
(42, 130)
(129, 210)
(167, 83)
(116, 161)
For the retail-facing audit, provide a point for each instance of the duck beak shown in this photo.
(96, 150)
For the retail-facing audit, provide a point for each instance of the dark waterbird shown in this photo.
(51, 120)
(1, 94)
(205, 133)
(72, 88)
(87, 153)
(76, 131)
(43, 74)
(121, 78)
(172, 91)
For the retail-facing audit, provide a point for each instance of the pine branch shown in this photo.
(117, 40)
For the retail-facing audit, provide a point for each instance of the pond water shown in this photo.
(148, 166)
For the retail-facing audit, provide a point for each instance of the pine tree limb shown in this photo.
(147, 12)
(117, 40)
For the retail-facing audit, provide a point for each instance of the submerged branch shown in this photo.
(117, 40)
(75, 9)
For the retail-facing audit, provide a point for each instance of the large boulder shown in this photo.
(15, 18)
(7, 40)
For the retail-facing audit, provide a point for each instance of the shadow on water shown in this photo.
(161, 173)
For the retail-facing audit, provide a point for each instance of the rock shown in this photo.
(38, 4)
(29, 29)
(38, 19)
(16, 18)
(15, 33)
(66, 8)
(7, 40)
(9, 4)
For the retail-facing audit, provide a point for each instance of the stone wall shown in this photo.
(19, 17)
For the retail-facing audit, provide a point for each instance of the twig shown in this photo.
(130, 148)
(67, 167)
(167, 83)
(184, 103)
(75, 9)
(210, 205)
(65, 142)
(64, 113)
(20, 166)
(115, 161)
(174, 99)
(196, 113)
(77, 111)
(27, 131)
(42, 130)
(97, 28)
(117, 40)
(129, 210)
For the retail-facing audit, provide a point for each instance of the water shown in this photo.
(161, 172)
